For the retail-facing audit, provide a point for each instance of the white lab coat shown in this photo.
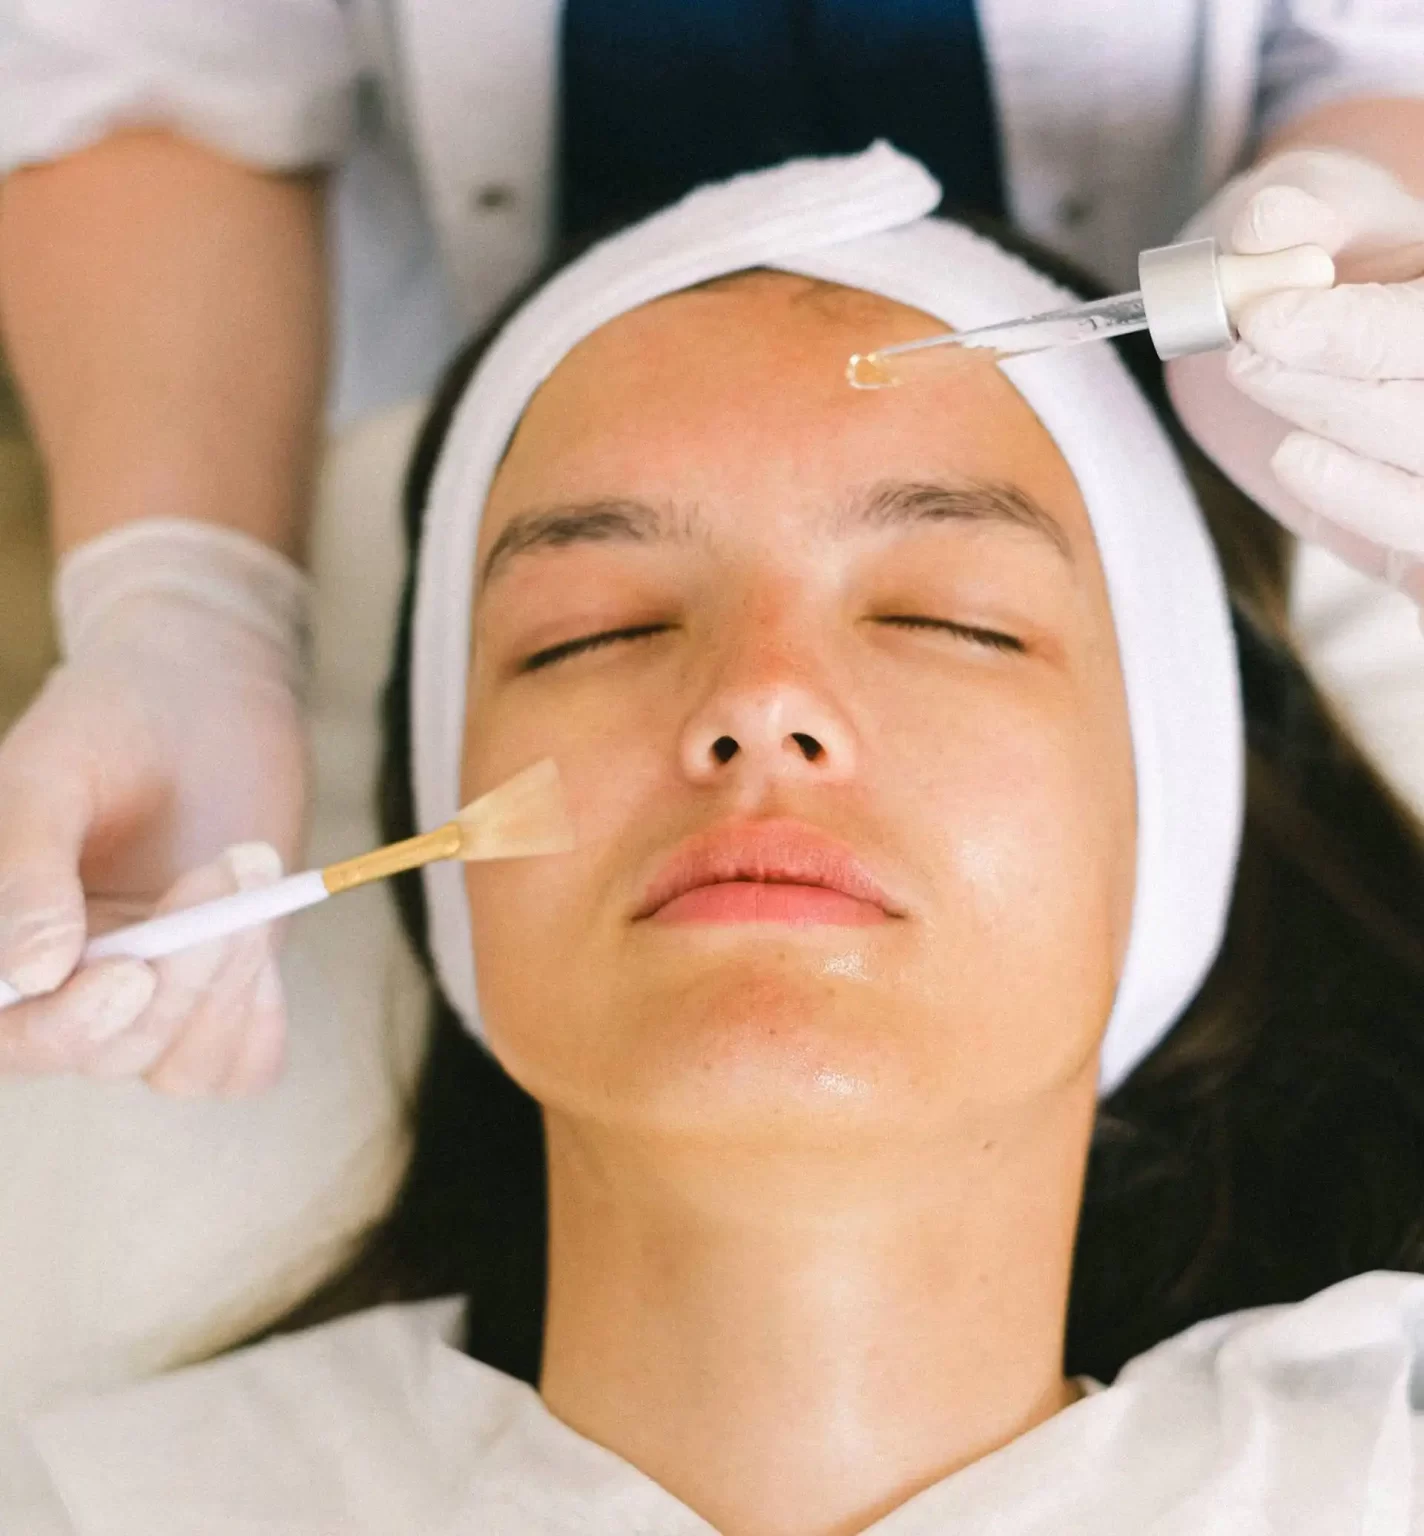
(1118, 117)
(1283, 1421)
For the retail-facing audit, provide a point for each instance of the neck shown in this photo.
(794, 1348)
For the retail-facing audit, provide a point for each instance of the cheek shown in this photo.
(1023, 824)
(1026, 844)
(538, 922)
(611, 747)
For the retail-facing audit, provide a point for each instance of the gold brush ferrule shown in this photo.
(443, 843)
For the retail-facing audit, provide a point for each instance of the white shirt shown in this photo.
(1282, 1421)
(1117, 119)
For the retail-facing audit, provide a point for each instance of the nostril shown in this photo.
(724, 749)
(811, 748)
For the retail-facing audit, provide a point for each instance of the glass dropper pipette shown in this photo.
(1190, 296)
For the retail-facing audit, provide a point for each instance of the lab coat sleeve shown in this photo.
(268, 82)
(1318, 51)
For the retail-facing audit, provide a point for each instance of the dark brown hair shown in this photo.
(1272, 1144)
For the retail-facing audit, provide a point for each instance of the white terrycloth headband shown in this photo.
(861, 221)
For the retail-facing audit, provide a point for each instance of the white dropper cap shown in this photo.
(1193, 292)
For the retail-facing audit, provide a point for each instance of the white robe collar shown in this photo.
(1284, 1419)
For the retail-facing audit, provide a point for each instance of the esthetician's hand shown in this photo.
(1337, 450)
(172, 731)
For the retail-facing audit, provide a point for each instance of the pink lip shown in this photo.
(765, 872)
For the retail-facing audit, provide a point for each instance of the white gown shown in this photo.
(1282, 1421)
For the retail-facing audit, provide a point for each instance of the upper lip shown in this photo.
(780, 852)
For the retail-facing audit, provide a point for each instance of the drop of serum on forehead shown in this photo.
(866, 371)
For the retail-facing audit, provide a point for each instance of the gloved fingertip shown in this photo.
(1413, 588)
(269, 998)
(1264, 319)
(115, 999)
(1280, 216)
(43, 924)
(43, 958)
(254, 865)
(260, 1066)
(102, 1002)
(1401, 569)
(1300, 457)
(128, 1055)
(1244, 361)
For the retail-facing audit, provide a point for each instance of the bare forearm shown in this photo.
(1387, 130)
(165, 317)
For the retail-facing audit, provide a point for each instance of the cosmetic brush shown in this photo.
(525, 817)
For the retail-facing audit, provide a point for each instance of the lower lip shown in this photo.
(759, 901)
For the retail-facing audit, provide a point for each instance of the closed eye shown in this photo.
(577, 647)
(992, 638)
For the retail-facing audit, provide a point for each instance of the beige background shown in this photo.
(26, 643)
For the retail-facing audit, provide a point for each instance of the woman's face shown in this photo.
(833, 684)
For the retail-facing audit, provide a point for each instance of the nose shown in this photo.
(773, 730)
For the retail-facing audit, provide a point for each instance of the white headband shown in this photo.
(860, 221)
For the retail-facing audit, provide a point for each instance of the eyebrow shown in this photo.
(889, 504)
(897, 503)
(589, 522)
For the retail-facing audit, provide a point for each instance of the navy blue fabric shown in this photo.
(662, 95)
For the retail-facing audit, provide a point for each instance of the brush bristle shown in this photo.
(522, 818)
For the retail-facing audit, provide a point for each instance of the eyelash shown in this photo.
(990, 638)
(567, 648)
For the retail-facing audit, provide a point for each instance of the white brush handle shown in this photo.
(166, 935)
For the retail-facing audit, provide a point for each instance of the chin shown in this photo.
(765, 1047)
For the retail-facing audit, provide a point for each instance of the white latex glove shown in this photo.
(172, 730)
(1343, 367)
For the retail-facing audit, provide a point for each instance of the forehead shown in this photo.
(733, 395)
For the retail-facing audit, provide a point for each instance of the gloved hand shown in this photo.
(172, 730)
(1344, 366)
